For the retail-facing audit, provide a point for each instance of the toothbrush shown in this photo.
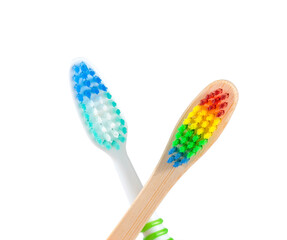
(108, 130)
(197, 129)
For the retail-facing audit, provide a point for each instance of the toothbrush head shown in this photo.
(200, 124)
(98, 109)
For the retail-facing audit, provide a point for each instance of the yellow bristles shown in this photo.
(196, 108)
(193, 126)
(200, 131)
(207, 135)
(203, 112)
(205, 124)
(212, 129)
(216, 121)
(198, 119)
(191, 114)
(202, 121)
(210, 117)
(187, 121)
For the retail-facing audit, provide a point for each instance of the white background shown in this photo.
(155, 56)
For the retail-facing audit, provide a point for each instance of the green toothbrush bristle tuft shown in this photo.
(175, 142)
(195, 138)
(182, 128)
(182, 149)
(189, 133)
(190, 145)
(178, 135)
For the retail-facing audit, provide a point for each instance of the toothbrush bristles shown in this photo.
(198, 127)
(100, 113)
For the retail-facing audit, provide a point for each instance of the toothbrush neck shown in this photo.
(128, 177)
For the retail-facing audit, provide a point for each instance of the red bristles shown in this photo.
(220, 113)
(223, 105)
(218, 91)
(224, 96)
(203, 101)
(214, 101)
(210, 95)
(211, 107)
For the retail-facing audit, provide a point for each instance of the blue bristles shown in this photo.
(83, 75)
(172, 150)
(83, 67)
(87, 93)
(171, 159)
(184, 160)
(91, 72)
(76, 78)
(177, 156)
(95, 90)
(103, 87)
(76, 68)
(177, 164)
(80, 97)
(77, 88)
(96, 79)
(87, 83)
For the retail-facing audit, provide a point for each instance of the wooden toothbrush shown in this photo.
(197, 129)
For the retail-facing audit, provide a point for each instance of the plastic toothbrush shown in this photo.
(108, 130)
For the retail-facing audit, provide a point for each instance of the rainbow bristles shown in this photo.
(98, 109)
(198, 127)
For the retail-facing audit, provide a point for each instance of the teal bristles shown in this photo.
(98, 109)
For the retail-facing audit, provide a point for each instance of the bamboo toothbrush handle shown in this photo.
(146, 203)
